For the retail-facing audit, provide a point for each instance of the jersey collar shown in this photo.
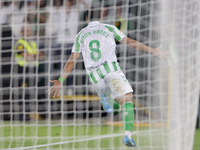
(93, 24)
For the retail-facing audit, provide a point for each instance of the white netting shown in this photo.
(165, 92)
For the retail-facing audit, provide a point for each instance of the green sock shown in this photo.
(115, 105)
(128, 116)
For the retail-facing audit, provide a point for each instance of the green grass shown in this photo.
(197, 140)
(79, 132)
(29, 133)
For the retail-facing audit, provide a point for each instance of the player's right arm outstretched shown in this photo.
(139, 46)
(67, 69)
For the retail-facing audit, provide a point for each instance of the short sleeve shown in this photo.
(77, 46)
(117, 33)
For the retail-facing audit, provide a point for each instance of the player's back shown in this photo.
(97, 44)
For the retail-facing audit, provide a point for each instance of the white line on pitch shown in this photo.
(82, 140)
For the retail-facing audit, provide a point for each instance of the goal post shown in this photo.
(181, 33)
(166, 92)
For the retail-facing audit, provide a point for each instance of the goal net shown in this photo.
(166, 92)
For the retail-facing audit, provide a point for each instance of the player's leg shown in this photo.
(116, 106)
(108, 93)
(128, 113)
(122, 92)
(104, 95)
(128, 117)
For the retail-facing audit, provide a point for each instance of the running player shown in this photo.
(96, 42)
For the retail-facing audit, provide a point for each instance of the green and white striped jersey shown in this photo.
(97, 44)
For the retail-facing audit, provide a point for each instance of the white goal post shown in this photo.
(166, 92)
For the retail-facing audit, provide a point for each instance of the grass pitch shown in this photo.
(27, 135)
(197, 140)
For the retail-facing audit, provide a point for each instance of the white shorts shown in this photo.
(113, 85)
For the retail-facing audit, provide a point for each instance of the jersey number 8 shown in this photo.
(95, 50)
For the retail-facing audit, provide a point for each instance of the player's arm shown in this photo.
(67, 69)
(70, 64)
(139, 46)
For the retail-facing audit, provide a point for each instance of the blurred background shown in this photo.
(52, 26)
(36, 38)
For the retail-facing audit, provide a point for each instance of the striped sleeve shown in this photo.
(77, 46)
(116, 32)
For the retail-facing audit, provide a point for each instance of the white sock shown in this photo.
(128, 133)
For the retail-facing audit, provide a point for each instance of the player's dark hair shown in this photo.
(93, 14)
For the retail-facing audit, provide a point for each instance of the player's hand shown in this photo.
(55, 88)
(162, 54)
